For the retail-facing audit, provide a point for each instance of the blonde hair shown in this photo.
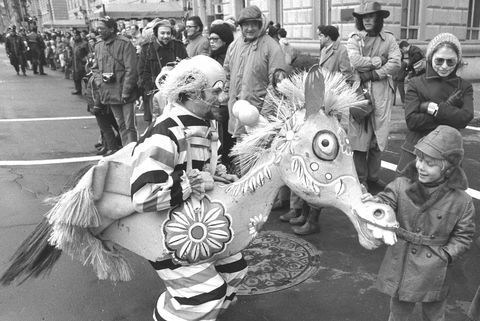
(442, 163)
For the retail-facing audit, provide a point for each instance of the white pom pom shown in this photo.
(246, 113)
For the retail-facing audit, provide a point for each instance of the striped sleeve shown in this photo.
(157, 183)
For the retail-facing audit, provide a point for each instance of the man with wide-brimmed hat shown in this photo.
(375, 58)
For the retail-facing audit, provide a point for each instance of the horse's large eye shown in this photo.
(325, 145)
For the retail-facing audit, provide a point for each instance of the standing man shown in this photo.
(375, 58)
(333, 55)
(197, 43)
(154, 55)
(37, 49)
(80, 53)
(117, 69)
(250, 63)
(15, 49)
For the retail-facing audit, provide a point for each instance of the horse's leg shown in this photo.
(194, 292)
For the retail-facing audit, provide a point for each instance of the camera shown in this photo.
(108, 77)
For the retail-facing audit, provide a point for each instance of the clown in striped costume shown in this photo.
(169, 167)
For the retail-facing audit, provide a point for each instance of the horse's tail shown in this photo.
(34, 258)
(67, 227)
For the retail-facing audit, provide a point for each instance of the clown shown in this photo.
(169, 166)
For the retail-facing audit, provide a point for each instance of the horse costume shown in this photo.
(297, 141)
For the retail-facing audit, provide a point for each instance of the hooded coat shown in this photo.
(249, 66)
(442, 224)
(361, 49)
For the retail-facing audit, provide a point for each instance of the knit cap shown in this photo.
(250, 13)
(444, 142)
(224, 32)
(440, 39)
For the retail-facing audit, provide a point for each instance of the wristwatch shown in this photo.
(432, 109)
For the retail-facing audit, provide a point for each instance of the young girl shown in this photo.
(436, 219)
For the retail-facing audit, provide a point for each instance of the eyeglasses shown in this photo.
(214, 39)
(440, 61)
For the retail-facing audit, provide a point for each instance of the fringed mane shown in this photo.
(281, 109)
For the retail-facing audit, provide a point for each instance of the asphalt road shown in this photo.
(341, 290)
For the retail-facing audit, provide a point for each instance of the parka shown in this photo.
(116, 55)
(361, 49)
(439, 229)
(153, 57)
(430, 87)
(249, 67)
(198, 45)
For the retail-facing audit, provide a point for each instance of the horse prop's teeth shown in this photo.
(339, 188)
(268, 173)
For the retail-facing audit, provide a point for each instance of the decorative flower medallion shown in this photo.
(194, 234)
(255, 224)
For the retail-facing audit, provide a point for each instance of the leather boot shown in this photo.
(290, 215)
(300, 220)
(305, 229)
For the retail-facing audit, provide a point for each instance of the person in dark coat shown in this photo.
(37, 51)
(154, 55)
(80, 52)
(220, 37)
(438, 97)
(16, 49)
(436, 218)
(414, 55)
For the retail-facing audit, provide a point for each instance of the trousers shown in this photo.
(200, 291)
(431, 311)
(125, 117)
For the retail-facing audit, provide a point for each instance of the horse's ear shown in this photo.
(314, 91)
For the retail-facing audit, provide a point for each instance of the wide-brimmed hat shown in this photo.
(370, 7)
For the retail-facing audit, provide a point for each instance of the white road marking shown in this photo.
(18, 120)
(49, 161)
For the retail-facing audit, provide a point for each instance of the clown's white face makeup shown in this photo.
(444, 61)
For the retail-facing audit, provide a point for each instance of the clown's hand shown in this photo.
(221, 171)
(200, 182)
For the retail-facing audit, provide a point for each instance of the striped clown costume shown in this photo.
(178, 143)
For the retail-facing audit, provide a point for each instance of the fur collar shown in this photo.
(419, 194)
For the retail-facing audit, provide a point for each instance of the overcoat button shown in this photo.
(439, 216)
(429, 254)
(432, 236)
(414, 251)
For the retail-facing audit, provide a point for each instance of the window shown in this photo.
(409, 19)
(473, 23)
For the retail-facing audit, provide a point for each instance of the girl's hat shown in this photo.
(441, 39)
(444, 142)
(223, 31)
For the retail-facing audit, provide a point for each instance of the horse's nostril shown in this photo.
(378, 213)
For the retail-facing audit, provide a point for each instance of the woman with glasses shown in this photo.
(437, 97)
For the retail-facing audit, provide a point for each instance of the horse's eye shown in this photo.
(325, 145)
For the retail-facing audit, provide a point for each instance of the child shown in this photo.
(436, 226)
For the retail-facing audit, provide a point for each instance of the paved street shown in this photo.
(341, 289)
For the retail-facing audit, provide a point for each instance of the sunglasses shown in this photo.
(441, 61)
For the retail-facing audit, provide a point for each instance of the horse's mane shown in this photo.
(281, 109)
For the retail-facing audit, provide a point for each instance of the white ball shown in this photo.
(239, 105)
(249, 116)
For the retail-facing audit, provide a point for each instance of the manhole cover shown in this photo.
(277, 261)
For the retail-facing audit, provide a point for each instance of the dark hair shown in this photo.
(272, 31)
(378, 23)
(282, 33)
(329, 31)
(403, 44)
(197, 21)
(110, 23)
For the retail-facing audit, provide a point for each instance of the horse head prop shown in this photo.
(297, 141)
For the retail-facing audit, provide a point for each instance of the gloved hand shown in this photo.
(456, 98)
(384, 59)
(359, 113)
(369, 75)
(424, 107)
(200, 182)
